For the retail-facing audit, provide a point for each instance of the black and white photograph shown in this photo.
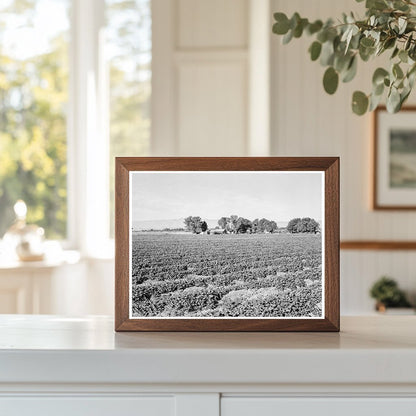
(226, 244)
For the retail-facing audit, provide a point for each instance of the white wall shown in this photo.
(211, 92)
(308, 122)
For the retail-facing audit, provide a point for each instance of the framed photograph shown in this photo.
(394, 163)
(227, 244)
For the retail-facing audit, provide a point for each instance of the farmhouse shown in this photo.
(217, 231)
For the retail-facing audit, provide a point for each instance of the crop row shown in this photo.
(185, 275)
(220, 301)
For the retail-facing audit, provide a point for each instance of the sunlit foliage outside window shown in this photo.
(33, 102)
(129, 43)
(34, 74)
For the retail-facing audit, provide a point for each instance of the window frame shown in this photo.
(87, 133)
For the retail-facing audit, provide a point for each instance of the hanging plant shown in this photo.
(389, 27)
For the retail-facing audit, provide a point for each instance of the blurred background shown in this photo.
(83, 81)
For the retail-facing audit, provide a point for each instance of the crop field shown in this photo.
(247, 275)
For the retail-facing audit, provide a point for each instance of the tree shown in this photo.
(255, 225)
(194, 224)
(312, 226)
(243, 225)
(233, 223)
(303, 225)
(271, 226)
(224, 222)
(261, 228)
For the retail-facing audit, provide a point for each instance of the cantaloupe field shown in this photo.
(247, 275)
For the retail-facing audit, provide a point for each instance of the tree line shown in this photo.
(239, 225)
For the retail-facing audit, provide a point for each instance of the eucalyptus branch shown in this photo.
(389, 25)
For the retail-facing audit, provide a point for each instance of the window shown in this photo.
(75, 87)
(33, 98)
(129, 46)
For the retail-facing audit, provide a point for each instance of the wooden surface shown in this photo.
(329, 165)
(378, 245)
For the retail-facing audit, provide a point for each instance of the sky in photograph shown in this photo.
(278, 196)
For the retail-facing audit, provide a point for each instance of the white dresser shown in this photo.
(79, 366)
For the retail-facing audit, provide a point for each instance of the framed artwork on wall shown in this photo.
(394, 159)
(227, 244)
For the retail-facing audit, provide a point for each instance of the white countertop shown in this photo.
(53, 349)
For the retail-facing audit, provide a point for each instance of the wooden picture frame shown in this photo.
(147, 173)
(394, 146)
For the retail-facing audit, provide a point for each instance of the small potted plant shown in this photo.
(388, 295)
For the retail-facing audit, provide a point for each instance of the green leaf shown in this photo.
(379, 75)
(314, 27)
(389, 43)
(294, 20)
(366, 48)
(298, 30)
(288, 37)
(412, 52)
(348, 34)
(359, 103)
(412, 70)
(402, 24)
(395, 52)
(330, 80)
(408, 42)
(376, 4)
(411, 76)
(355, 41)
(374, 102)
(315, 50)
(366, 53)
(403, 96)
(397, 71)
(281, 27)
(400, 5)
(341, 62)
(393, 101)
(327, 53)
(403, 56)
(378, 89)
(351, 71)
(322, 36)
(367, 42)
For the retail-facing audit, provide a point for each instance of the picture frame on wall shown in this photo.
(227, 244)
(394, 159)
